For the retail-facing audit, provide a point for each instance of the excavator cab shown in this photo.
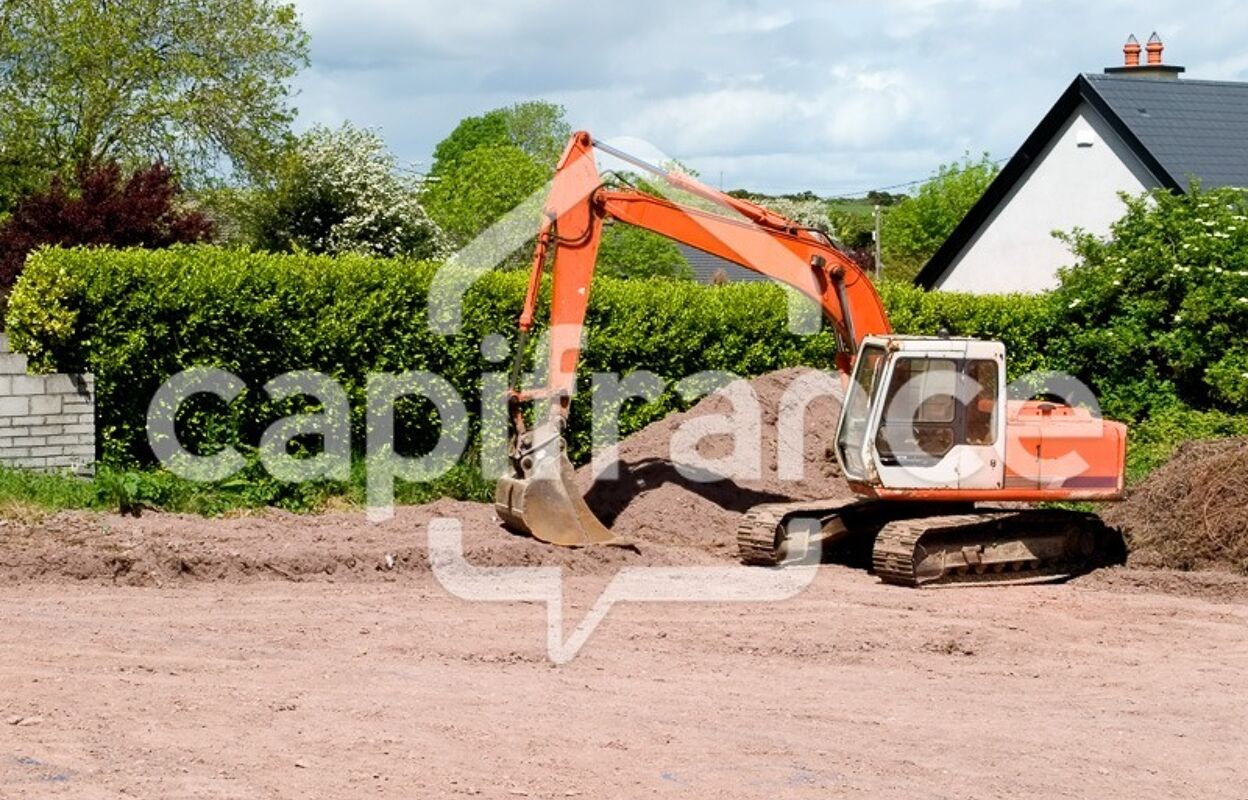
(925, 413)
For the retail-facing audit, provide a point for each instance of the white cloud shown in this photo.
(753, 21)
(787, 94)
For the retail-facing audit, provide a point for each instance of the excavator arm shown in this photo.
(539, 497)
(761, 241)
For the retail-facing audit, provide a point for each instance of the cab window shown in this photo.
(935, 404)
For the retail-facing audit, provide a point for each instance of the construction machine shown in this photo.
(943, 465)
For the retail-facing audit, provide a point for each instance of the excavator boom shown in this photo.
(759, 240)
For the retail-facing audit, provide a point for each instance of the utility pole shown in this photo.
(875, 239)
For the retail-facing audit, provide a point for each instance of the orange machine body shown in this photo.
(1053, 453)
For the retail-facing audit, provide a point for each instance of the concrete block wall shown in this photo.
(46, 421)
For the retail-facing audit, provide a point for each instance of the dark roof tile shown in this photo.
(705, 265)
(1195, 129)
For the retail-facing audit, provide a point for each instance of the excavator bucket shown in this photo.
(544, 502)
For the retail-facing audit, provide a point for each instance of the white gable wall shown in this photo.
(1074, 183)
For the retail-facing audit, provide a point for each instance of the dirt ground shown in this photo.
(281, 656)
(284, 656)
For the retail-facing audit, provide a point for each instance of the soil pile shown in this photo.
(1193, 512)
(686, 479)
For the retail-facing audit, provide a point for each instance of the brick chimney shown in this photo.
(1155, 68)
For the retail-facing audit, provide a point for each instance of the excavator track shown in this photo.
(991, 547)
(925, 545)
(773, 533)
(764, 533)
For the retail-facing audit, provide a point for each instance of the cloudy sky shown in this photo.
(838, 97)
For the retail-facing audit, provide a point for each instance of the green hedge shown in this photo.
(135, 317)
(1022, 321)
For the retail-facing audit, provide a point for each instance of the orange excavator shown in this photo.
(928, 439)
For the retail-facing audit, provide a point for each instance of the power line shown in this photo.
(834, 191)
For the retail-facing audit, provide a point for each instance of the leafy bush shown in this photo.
(1157, 312)
(341, 191)
(1155, 439)
(104, 208)
(1022, 321)
(136, 317)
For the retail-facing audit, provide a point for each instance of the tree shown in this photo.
(627, 251)
(341, 191)
(853, 227)
(881, 198)
(1157, 311)
(915, 228)
(540, 129)
(143, 210)
(487, 130)
(193, 83)
(490, 163)
(482, 185)
(537, 128)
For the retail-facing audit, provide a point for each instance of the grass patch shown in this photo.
(28, 496)
(856, 206)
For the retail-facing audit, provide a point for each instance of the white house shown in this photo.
(1133, 128)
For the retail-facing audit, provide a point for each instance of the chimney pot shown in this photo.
(1155, 69)
(1131, 52)
(1155, 47)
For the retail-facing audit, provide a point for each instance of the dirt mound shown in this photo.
(1193, 512)
(683, 481)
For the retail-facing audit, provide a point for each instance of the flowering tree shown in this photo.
(342, 191)
(811, 213)
(1157, 311)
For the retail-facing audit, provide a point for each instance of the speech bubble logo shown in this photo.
(629, 585)
(736, 419)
